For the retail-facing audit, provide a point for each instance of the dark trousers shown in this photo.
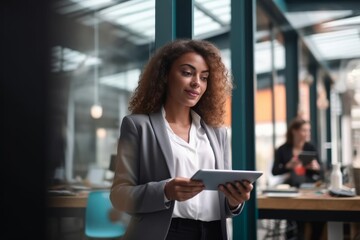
(189, 229)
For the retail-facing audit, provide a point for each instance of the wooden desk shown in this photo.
(67, 206)
(73, 205)
(297, 208)
(312, 205)
(76, 201)
(304, 206)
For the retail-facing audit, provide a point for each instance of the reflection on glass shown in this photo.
(270, 113)
(89, 68)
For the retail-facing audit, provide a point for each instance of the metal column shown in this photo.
(291, 75)
(243, 119)
(164, 22)
(327, 82)
(184, 19)
(173, 19)
(313, 106)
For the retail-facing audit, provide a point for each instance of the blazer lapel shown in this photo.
(157, 121)
(214, 142)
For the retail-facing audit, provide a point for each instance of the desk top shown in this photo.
(310, 200)
(71, 196)
(307, 200)
(77, 201)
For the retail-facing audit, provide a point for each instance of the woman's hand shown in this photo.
(313, 165)
(293, 163)
(236, 193)
(182, 189)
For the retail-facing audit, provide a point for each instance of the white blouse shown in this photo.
(188, 158)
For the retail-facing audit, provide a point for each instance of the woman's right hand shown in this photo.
(182, 189)
(313, 165)
(293, 163)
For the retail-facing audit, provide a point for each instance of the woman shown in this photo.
(287, 155)
(174, 129)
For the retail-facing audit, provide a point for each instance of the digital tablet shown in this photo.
(212, 178)
(306, 157)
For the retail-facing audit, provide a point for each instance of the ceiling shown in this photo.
(135, 19)
(124, 39)
(126, 31)
(330, 29)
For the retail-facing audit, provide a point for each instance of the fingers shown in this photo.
(314, 165)
(292, 163)
(237, 192)
(182, 189)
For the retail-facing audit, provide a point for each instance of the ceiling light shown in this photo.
(96, 111)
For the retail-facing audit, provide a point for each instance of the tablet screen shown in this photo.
(212, 178)
(307, 156)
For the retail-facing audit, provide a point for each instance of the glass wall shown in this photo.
(99, 48)
(270, 108)
(98, 51)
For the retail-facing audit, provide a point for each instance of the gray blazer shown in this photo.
(145, 164)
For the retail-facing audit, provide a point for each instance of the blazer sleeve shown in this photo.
(282, 156)
(127, 193)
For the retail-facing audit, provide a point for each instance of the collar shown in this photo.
(196, 119)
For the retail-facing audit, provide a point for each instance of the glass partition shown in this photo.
(270, 108)
(98, 50)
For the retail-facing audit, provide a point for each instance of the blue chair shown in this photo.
(97, 217)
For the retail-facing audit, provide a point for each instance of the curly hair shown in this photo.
(150, 93)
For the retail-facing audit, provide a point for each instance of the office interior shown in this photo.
(288, 58)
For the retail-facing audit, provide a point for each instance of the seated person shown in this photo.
(286, 156)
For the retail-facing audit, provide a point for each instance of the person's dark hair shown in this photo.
(150, 93)
(295, 124)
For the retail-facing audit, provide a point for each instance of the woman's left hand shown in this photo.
(236, 193)
(313, 165)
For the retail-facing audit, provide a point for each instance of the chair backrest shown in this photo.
(97, 217)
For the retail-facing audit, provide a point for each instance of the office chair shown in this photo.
(97, 217)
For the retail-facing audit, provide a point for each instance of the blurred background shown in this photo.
(70, 67)
(98, 48)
